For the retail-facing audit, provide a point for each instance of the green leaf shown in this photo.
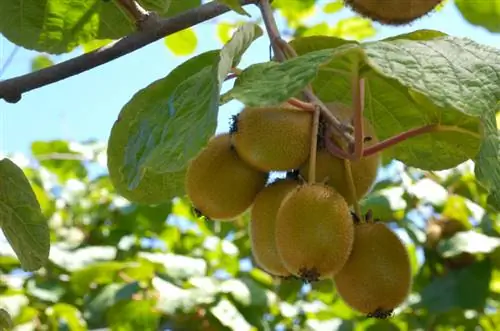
(40, 62)
(451, 72)
(465, 288)
(468, 242)
(63, 316)
(180, 112)
(396, 101)
(5, 320)
(21, 218)
(236, 6)
(333, 7)
(48, 25)
(134, 315)
(182, 43)
(482, 13)
(487, 170)
(59, 159)
(272, 83)
(132, 131)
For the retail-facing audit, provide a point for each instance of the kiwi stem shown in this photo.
(314, 147)
(342, 129)
(400, 138)
(358, 99)
(352, 189)
(333, 148)
(301, 104)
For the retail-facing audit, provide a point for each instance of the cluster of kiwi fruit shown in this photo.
(393, 12)
(298, 228)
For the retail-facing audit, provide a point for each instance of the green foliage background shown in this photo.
(126, 266)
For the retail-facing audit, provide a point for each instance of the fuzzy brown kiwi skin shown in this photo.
(314, 232)
(219, 184)
(403, 14)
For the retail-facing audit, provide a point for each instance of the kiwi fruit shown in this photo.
(393, 12)
(263, 223)
(272, 138)
(331, 170)
(445, 228)
(220, 185)
(314, 231)
(377, 276)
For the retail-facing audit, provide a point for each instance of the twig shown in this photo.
(314, 146)
(352, 188)
(12, 89)
(301, 104)
(272, 29)
(358, 100)
(400, 138)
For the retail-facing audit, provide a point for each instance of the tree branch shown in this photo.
(12, 89)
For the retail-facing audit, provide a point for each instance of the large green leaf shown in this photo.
(55, 26)
(482, 13)
(272, 83)
(21, 218)
(174, 118)
(487, 168)
(129, 139)
(418, 79)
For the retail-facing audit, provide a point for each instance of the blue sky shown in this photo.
(85, 106)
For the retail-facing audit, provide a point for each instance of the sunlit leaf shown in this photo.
(482, 13)
(40, 62)
(182, 43)
(21, 218)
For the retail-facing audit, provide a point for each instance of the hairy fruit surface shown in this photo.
(220, 185)
(393, 12)
(263, 225)
(273, 138)
(377, 276)
(314, 231)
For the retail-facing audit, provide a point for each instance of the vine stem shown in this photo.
(301, 104)
(314, 147)
(400, 138)
(358, 99)
(11, 90)
(352, 188)
(272, 29)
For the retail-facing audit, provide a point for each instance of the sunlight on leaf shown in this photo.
(182, 43)
(21, 218)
